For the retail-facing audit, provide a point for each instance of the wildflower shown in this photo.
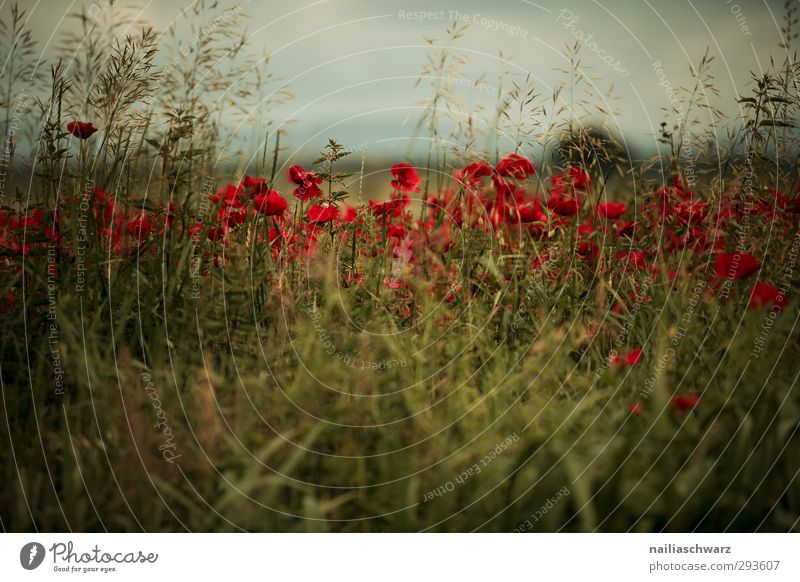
(471, 175)
(270, 204)
(396, 231)
(622, 360)
(764, 294)
(392, 207)
(81, 129)
(691, 212)
(531, 212)
(581, 179)
(231, 217)
(321, 213)
(589, 251)
(632, 259)
(736, 265)
(515, 166)
(563, 206)
(406, 178)
(349, 213)
(502, 187)
(33, 219)
(195, 229)
(611, 210)
(274, 236)
(252, 183)
(626, 229)
(684, 403)
(230, 195)
(140, 226)
(307, 183)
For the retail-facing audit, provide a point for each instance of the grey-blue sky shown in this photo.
(352, 64)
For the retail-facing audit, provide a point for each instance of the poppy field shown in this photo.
(540, 334)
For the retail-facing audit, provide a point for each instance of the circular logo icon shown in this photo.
(31, 555)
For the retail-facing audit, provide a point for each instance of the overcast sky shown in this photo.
(352, 64)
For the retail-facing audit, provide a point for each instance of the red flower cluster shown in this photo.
(564, 228)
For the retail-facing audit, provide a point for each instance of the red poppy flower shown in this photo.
(406, 178)
(563, 206)
(588, 251)
(684, 403)
(251, 183)
(81, 129)
(558, 182)
(630, 359)
(531, 212)
(635, 408)
(580, 178)
(217, 233)
(270, 203)
(320, 214)
(611, 210)
(626, 229)
(396, 231)
(502, 187)
(33, 219)
(392, 207)
(195, 229)
(274, 235)
(307, 183)
(515, 166)
(783, 201)
(736, 265)
(140, 226)
(349, 213)
(232, 217)
(764, 294)
(471, 175)
(693, 212)
(297, 174)
(228, 196)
